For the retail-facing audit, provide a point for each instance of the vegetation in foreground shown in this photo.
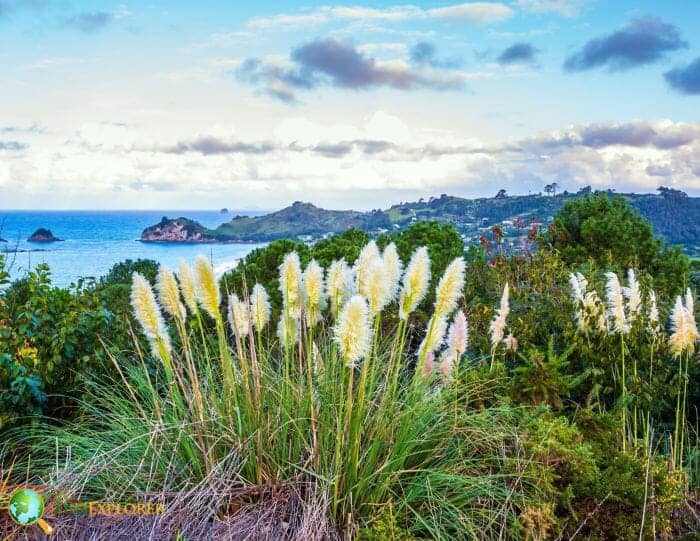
(388, 390)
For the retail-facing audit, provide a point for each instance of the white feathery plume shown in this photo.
(458, 334)
(353, 332)
(498, 324)
(187, 286)
(208, 293)
(415, 282)
(368, 255)
(238, 315)
(259, 307)
(291, 285)
(449, 290)
(684, 329)
(577, 291)
(148, 314)
(314, 292)
(616, 305)
(394, 268)
(378, 287)
(339, 284)
(169, 293)
(689, 303)
(633, 295)
(288, 331)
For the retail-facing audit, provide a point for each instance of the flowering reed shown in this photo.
(208, 293)
(616, 305)
(450, 288)
(147, 313)
(291, 285)
(259, 307)
(314, 292)
(238, 315)
(415, 282)
(352, 332)
(394, 268)
(339, 284)
(169, 293)
(498, 324)
(187, 286)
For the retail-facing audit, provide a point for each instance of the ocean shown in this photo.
(95, 240)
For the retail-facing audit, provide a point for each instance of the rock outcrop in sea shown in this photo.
(43, 235)
(176, 230)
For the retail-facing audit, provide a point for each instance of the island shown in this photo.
(176, 230)
(43, 235)
(224, 210)
(674, 215)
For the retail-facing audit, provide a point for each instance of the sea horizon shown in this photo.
(94, 240)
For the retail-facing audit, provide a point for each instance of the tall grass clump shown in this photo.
(334, 407)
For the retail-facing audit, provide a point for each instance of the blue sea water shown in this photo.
(96, 240)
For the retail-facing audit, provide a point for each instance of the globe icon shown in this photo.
(26, 506)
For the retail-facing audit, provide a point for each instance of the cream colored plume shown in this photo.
(616, 305)
(259, 307)
(377, 287)
(415, 282)
(352, 332)
(288, 331)
(291, 285)
(498, 324)
(449, 290)
(394, 268)
(458, 334)
(238, 315)
(187, 286)
(149, 316)
(169, 293)
(208, 293)
(684, 329)
(314, 292)
(633, 295)
(368, 255)
(339, 284)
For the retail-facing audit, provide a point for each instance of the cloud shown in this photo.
(470, 13)
(642, 134)
(339, 64)
(89, 22)
(642, 41)
(424, 53)
(209, 145)
(518, 53)
(34, 128)
(685, 80)
(12, 145)
(565, 8)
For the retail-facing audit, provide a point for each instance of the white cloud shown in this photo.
(470, 12)
(565, 8)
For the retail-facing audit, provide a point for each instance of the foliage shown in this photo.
(616, 237)
(49, 341)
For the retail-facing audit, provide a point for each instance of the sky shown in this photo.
(254, 105)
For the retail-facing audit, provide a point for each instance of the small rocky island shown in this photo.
(43, 235)
(176, 230)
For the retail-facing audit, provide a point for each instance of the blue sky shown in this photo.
(255, 105)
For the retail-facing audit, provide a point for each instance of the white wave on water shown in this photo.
(223, 267)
